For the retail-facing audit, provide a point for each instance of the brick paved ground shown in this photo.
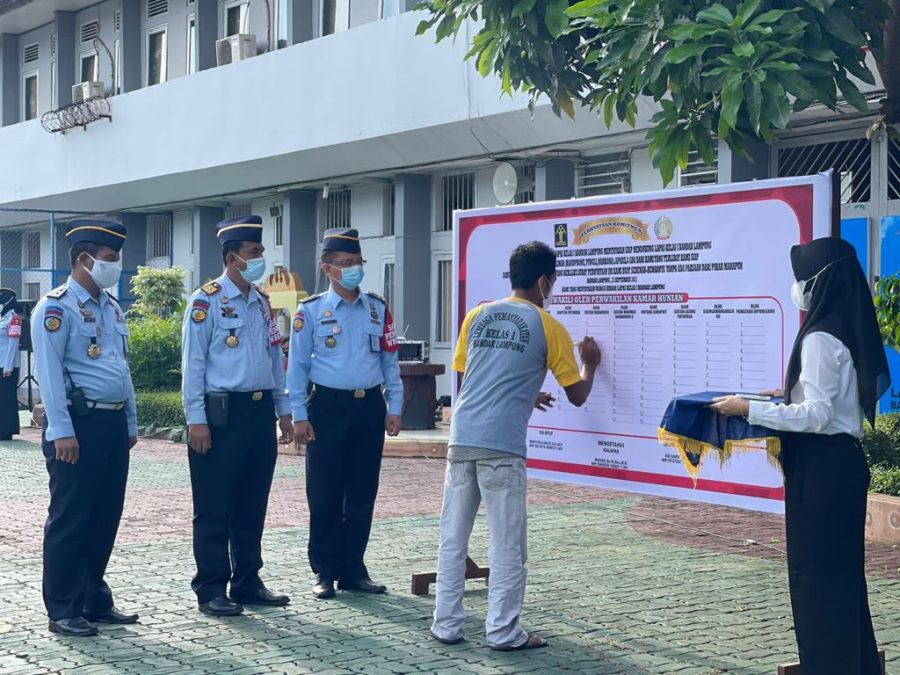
(616, 583)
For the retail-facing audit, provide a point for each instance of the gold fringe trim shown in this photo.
(685, 446)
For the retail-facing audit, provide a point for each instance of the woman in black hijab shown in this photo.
(10, 332)
(835, 376)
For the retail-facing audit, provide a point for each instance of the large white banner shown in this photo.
(685, 290)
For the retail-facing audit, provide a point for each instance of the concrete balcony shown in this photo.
(373, 99)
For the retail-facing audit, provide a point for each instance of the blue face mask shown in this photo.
(256, 267)
(351, 277)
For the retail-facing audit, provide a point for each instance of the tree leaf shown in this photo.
(839, 25)
(564, 101)
(522, 8)
(717, 13)
(682, 53)
(851, 93)
(798, 86)
(753, 100)
(555, 17)
(744, 49)
(608, 108)
(731, 100)
(747, 10)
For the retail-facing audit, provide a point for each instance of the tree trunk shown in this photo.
(890, 69)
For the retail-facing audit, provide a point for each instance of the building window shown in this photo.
(279, 229)
(336, 211)
(389, 290)
(335, 16)
(53, 84)
(237, 211)
(156, 57)
(89, 67)
(893, 169)
(235, 19)
(851, 159)
(159, 241)
(443, 331)
(30, 99)
(457, 193)
(389, 8)
(192, 45)
(117, 55)
(389, 210)
(157, 8)
(281, 23)
(90, 31)
(699, 172)
(31, 250)
(606, 174)
(32, 290)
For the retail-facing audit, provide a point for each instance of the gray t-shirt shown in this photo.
(504, 350)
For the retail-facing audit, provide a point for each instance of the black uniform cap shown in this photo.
(243, 228)
(345, 240)
(100, 232)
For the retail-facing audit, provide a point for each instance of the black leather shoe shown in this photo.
(77, 627)
(111, 615)
(324, 589)
(362, 585)
(221, 606)
(263, 597)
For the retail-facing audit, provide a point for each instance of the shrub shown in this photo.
(159, 292)
(161, 409)
(886, 480)
(155, 357)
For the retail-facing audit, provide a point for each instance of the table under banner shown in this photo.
(696, 430)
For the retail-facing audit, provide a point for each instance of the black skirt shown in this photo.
(9, 405)
(826, 483)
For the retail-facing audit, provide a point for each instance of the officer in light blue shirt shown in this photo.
(341, 368)
(233, 388)
(10, 332)
(80, 341)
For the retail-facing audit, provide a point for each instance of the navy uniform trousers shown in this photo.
(86, 500)
(826, 480)
(342, 467)
(9, 405)
(230, 486)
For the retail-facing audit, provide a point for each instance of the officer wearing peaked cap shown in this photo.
(10, 332)
(233, 387)
(81, 348)
(342, 365)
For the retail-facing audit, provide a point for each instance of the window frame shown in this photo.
(447, 342)
(29, 238)
(191, 41)
(389, 294)
(37, 94)
(340, 7)
(164, 64)
(88, 54)
(243, 19)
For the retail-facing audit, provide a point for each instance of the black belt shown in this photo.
(346, 393)
(102, 405)
(254, 396)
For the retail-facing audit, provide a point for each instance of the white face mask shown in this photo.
(547, 300)
(105, 274)
(801, 291)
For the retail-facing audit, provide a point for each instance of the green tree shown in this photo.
(159, 292)
(734, 69)
(887, 309)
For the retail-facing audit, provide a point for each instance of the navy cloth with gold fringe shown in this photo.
(694, 429)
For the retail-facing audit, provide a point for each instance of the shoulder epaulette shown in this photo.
(377, 297)
(57, 293)
(211, 288)
(310, 298)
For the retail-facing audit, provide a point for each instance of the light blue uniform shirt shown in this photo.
(215, 313)
(62, 330)
(343, 346)
(10, 332)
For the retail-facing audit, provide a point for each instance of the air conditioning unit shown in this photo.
(86, 91)
(235, 48)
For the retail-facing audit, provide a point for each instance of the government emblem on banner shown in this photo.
(561, 235)
(662, 228)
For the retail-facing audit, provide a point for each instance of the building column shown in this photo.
(300, 236)
(412, 254)
(64, 27)
(554, 179)
(301, 21)
(732, 168)
(9, 79)
(132, 46)
(207, 16)
(207, 250)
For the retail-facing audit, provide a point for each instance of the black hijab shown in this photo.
(842, 306)
(7, 301)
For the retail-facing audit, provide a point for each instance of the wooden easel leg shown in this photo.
(421, 581)
(794, 668)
